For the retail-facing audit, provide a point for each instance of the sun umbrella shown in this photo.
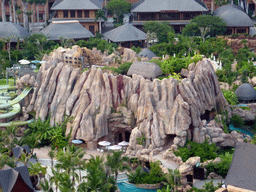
(36, 61)
(104, 143)
(24, 62)
(114, 147)
(123, 143)
(77, 141)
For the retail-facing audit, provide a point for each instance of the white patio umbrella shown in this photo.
(123, 143)
(24, 62)
(114, 147)
(104, 143)
(77, 141)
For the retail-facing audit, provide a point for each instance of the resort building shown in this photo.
(80, 10)
(176, 12)
(246, 93)
(235, 17)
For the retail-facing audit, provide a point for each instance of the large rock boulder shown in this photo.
(157, 108)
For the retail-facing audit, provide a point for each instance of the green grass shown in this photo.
(4, 82)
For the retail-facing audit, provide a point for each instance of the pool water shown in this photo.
(232, 128)
(126, 187)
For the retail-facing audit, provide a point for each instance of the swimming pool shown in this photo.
(126, 187)
(232, 128)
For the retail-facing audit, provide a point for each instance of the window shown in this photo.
(41, 17)
(86, 13)
(79, 14)
(72, 14)
(241, 31)
(91, 28)
(65, 14)
(57, 14)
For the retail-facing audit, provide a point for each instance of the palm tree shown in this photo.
(14, 11)
(115, 162)
(55, 178)
(35, 170)
(66, 185)
(100, 14)
(97, 179)
(3, 10)
(173, 178)
(46, 186)
(7, 40)
(51, 155)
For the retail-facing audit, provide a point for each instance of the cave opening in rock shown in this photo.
(122, 136)
(127, 136)
(169, 140)
(208, 115)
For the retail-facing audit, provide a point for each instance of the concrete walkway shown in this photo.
(167, 163)
(200, 183)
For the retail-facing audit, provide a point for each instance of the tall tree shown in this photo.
(115, 162)
(161, 29)
(118, 8)
(14, 11)
(3, 10)
(100, 14)
(207, 24)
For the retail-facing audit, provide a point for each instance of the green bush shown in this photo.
(222, 167)
(237, 121)
(204, 150)
(99, 43)
(122, 69)
(230, 97)
(136, 49)
(154, 176)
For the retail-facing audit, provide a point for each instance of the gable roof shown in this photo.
(234, 16)
(168, 5)
(66, 29)
(242, 171)
(125, 32)
(8, 29)
(9, 176)
(77, 5)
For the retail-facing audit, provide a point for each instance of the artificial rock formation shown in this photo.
(158, 109)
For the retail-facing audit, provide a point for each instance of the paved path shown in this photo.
(199, 183)
(167, 163)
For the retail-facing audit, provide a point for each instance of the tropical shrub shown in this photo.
(237, 121)
(99, 43)
(203, 150)
(153, 177)
(222, 167)
(122, 69)
(136, 49)
(230, 97)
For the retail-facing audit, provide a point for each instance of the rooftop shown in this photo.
(14, 30)
(77, 5)
(66, 29)
(125, 32)
(169, 5)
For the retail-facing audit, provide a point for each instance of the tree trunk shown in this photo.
(100, 25)
(25, 16)
(33, 14)
(14, 11)
(9, 49)
(37, 17)
(10, 9)
(3, 11)
(45, 10)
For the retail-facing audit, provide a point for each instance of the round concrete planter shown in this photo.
(150, 186)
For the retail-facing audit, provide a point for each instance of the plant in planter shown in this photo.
(35, 170)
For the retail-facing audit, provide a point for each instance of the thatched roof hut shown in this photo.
(246, 93)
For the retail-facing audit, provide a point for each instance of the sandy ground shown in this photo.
(42, 153)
